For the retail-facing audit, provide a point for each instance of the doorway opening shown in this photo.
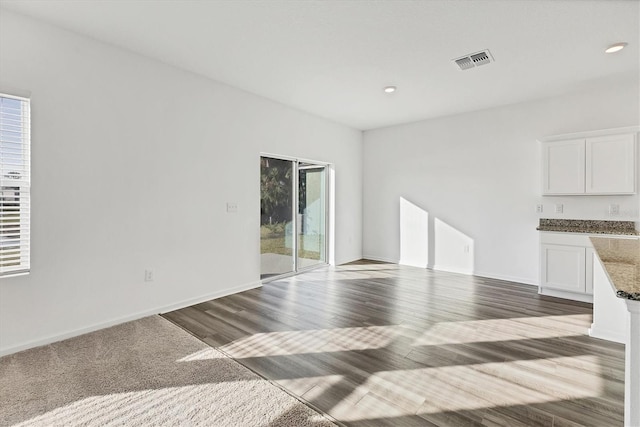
(293, 216)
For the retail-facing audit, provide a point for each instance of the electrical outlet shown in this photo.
(148, 275)
(614, 209)
(539, 208)
(232, 207)
(559, 208)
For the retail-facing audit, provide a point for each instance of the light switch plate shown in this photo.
(559, 208)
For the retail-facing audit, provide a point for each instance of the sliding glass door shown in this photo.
(276, 217)
(293, 204)
(311, 215)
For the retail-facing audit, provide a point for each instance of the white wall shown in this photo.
(478, 176)
(133, 162)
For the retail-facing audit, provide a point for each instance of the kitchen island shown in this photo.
(616, 309)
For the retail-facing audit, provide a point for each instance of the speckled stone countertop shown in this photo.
(588, 226)
(621, 259)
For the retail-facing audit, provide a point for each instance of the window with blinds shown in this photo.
(15, 146)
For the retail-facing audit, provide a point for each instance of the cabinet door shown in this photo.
(563, 167)
(610, 165)
(563, 267)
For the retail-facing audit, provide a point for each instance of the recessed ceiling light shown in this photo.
(616, 47)
(390, 89)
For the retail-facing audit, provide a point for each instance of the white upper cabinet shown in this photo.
(564, 167)
(610, 165)
(592, 165)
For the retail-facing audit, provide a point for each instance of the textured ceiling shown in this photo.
(332, 58)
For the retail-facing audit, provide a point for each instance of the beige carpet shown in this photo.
(143, 373)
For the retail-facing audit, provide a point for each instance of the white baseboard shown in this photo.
(566, 295)
(344, 261)
(402, 262)
(112, 322)
(214, 295)
(451, 269)
(606, 334)
(519, 280)
(381, 259)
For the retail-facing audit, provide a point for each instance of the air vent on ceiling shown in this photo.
(474, 60)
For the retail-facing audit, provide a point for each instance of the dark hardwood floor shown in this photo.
(380, 344)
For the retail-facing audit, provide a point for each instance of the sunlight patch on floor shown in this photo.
(374, 337)
(313, 341)
(204, 354)
(491, 330)
(202, 404)
(310, 387)
(454, 388)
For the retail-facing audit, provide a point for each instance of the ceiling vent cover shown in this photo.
(474, 60)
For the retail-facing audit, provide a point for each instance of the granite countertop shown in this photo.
(621, 260)
(625, 228)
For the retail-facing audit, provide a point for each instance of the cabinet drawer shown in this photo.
(570, 239)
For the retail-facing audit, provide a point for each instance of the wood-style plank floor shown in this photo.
(375, 344)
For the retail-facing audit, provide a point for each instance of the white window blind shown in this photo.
(15, 178)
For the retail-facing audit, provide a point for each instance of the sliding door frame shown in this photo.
(296, 196)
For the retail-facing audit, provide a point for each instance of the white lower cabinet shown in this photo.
(566, 266)
(563, 267)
